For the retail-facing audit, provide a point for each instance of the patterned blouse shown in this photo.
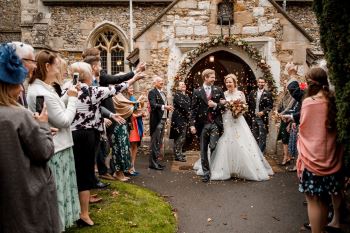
(88, 114)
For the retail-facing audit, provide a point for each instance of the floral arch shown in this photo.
(191, 58)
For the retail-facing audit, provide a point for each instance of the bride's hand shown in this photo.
(193, 130)
(223, 101)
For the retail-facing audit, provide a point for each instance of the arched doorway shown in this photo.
(223, 62)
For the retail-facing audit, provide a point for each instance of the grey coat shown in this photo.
(28, 201)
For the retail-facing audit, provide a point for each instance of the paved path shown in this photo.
(233, 206)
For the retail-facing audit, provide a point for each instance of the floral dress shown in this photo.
(121, 148)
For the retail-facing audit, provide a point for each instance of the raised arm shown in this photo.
(107, 79)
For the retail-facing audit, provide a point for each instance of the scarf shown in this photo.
(123, 106)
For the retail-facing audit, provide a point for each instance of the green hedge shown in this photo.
(333, 17)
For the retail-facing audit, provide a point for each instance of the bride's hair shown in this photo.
(233, 77)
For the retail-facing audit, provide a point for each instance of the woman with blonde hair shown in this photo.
(28, 193)
(87, 128)
(61, 111)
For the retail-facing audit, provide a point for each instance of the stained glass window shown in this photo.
(112, 51)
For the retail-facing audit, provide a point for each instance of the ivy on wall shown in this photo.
(333, 17)
(225, 41)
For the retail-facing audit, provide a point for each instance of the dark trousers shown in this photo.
(259, 132)
(101, 157)
(209, 136)
(179, 143)
(156, 142)
(85, 148)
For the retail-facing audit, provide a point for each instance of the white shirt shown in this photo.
(207, 89)
(258, 97)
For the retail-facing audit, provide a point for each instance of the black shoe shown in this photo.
(160, 165)
(181, 159)
(82, 223)
(156, 168)
(101, 185)
(205, 179)
(330, 229)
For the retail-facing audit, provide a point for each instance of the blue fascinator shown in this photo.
(12, 70)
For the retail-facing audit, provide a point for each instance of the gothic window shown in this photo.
(112, 51)
(225, 12)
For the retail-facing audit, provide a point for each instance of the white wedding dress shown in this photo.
(237, 154)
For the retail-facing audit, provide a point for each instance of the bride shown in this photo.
(237, 154)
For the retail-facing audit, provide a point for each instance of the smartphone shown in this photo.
(75, 78)
(39, 104)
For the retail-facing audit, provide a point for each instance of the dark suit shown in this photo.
(207, 121)
(260, 124)
(105, 81)
(179, 122)
(157, 124)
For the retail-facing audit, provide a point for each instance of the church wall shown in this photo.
(10, 18)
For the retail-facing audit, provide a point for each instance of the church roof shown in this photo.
(278, 8)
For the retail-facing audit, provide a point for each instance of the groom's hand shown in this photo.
(193, 130)
(212, 104)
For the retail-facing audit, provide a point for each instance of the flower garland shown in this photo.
(253, 53)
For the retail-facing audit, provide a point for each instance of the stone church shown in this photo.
(176, 38)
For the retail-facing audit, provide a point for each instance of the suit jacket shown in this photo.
(200, 108)
(265, 104)
(105, 81)
(156, 113)
(181, 114)
(297, 94)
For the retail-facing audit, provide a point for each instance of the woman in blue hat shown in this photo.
(28, 192)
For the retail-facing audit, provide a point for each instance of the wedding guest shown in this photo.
(120, 138)
(26, 53)
(158, 115)
(285, 107)
(320, 156)
(136, 131)
(28, 194)
(105, 80)
(180, 120)
(61, 112)
(102, 153)
(87, 127)
(260, 104)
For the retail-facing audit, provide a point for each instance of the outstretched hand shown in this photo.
(193, 130)
(120, 120)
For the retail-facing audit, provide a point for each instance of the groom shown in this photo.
(206, 118)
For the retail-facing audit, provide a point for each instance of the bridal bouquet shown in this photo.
(237, 107)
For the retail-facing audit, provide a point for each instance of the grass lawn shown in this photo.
(129, 208)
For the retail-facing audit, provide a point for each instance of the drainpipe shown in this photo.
(131, 28)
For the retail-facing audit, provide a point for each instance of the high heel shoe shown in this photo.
(82, 223)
